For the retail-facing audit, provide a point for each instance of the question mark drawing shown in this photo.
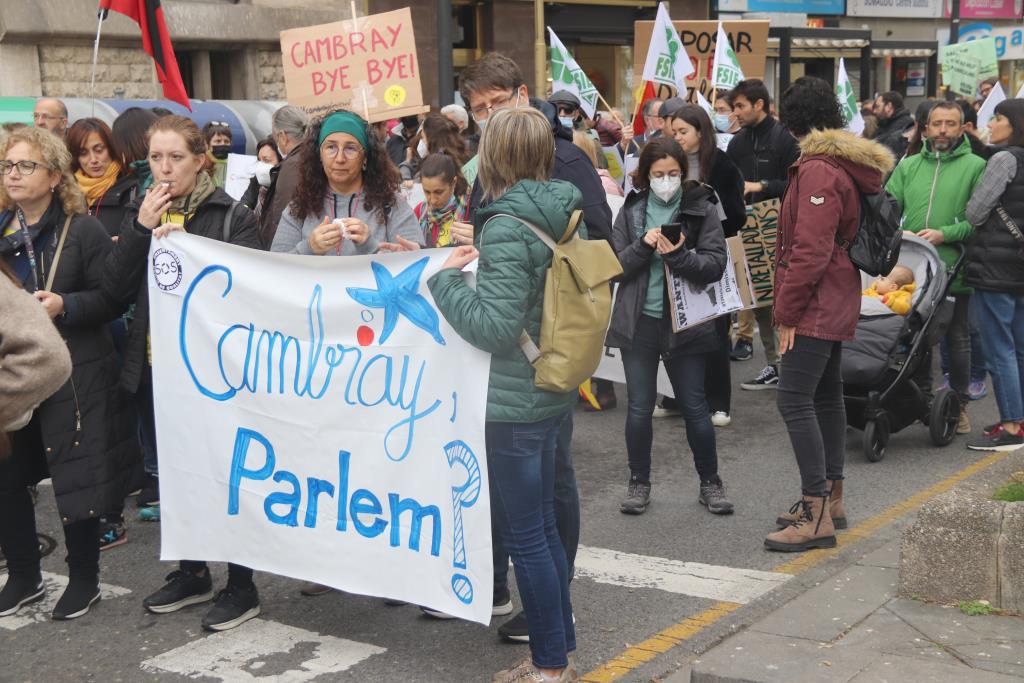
(463, 496)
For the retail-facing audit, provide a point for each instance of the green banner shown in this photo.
(964, 65)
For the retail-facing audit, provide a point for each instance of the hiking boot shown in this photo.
(768, 379)
(835, 507)
(515, 629)
(963, 423)
(112, 531)
(526, 672)
(181, 590)
(712, 496)
(232, 607)
(720, 418)
(812, 529)
(743, 350)
(997, 439)
(977, 390)
(638, 497)
(150, 494)
(78, 597)
(311, 589)
(18, 592)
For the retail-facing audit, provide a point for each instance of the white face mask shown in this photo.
(263, 173)
(666, 187)
(421, 148)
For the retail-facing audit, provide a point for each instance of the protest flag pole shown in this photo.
(100, 16)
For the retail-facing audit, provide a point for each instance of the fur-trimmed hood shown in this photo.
(866, 160)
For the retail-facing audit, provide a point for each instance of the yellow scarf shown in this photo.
(95, 188)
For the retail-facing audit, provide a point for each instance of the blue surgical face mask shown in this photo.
(722, 123)
(566, 121)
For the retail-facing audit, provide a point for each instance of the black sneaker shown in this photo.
(112, 531)
(768, 379)
(78, 597)
(515, 629)
(181, 590)
(502, 606)
(18, 592)
(232, 607)
(743, 350)
(997, 439)
(150, 494)
(638, 497)
(712, 496)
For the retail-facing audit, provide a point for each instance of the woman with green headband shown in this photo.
(347, 201)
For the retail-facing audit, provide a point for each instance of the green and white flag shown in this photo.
(726, 70)
(566, 74)
(703, 103)
(667, 61)
(848, 101)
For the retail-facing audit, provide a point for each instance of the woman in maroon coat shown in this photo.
(817, 301)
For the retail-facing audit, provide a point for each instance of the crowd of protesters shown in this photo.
(81, 202)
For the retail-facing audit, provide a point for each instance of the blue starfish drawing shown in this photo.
(399, 295)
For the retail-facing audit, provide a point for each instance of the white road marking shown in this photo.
(40, 611)
(257, 650)
(714, 582)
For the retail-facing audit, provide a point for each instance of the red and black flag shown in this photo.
(155, 41)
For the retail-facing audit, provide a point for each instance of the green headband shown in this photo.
(345, 122)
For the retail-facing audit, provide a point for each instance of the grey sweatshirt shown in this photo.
(293, 235)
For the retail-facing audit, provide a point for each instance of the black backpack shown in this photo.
(875, 248)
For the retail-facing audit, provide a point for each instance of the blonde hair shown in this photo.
(517, 144)
(56, 154)
(586, 143)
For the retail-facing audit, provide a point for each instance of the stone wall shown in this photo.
(65, 71)
(271, 75)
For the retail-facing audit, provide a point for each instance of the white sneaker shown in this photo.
(665, 412)
(720, 418)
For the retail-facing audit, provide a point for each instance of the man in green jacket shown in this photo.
(933, 188)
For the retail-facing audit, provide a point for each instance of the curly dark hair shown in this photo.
(381, 178)
(810, 104)
(657, 149)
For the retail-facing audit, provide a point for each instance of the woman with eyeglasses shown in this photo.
(667, 226)
(83, 436)
(182, 198)
(347, 179)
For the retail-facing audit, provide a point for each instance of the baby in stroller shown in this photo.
(895, 289)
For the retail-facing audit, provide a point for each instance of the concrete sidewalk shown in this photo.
(852, 627)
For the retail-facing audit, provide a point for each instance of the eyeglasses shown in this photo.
(349, 151)
(482, 113)
(24, 167)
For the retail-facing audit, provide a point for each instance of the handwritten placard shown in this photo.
(759, 235)
(964, 65)
(317, 418)
(367, 65)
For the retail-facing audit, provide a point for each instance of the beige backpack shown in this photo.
(577, 308)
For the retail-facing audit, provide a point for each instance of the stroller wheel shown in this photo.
(945, 413)
(876, 437)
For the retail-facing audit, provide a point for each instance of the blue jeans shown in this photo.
(687, 376)
(567, 511)
(521, 464)
(1001, 322)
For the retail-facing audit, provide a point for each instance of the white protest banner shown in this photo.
(848, 101)
(566, 74)
(317, 418)
(667, 62)
(611, 369)
(241, 168)
(988, 108)
(367, 65)
(691, 304)
(726, 70)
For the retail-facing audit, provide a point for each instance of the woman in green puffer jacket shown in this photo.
(515, 161)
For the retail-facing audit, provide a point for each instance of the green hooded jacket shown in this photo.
(509, 294)
(933, 189)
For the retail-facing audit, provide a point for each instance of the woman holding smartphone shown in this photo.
(670, 226)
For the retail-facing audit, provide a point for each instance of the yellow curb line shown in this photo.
(663, 641)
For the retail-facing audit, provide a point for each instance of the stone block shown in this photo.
(141, 73)
(1011, 558)
(119, 73)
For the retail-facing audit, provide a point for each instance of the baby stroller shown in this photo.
(879, 365)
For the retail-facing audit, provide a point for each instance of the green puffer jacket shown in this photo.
(509, 295)
(933, 188)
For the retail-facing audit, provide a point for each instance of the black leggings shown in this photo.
(810, 399)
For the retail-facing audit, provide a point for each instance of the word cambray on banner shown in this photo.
(318, 419)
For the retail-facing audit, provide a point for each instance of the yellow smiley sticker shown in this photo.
(395, 95)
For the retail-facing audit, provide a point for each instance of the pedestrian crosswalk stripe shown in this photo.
(241, 655)
(726, 584)
(40, 611)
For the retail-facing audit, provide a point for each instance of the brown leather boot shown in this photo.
(836, 507)
(813, 529)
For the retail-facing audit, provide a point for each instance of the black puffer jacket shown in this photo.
(701, 260)
(995, 259)
(125, 280)
(890, 132)
(112, 206)
(85, 431)
(725, 179)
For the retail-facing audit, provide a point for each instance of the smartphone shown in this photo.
(672, 231)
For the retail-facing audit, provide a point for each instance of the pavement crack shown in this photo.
(924, 636)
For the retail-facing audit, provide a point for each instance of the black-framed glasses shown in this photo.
(349, 151)
(482, 113)
(24, 167)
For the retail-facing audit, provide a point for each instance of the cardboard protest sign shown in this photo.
(317, 418)
(749, 41)
(738, 257)
(759, 236)
(368, 66)
(964, 65)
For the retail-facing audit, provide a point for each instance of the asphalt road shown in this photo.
(341, 637)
